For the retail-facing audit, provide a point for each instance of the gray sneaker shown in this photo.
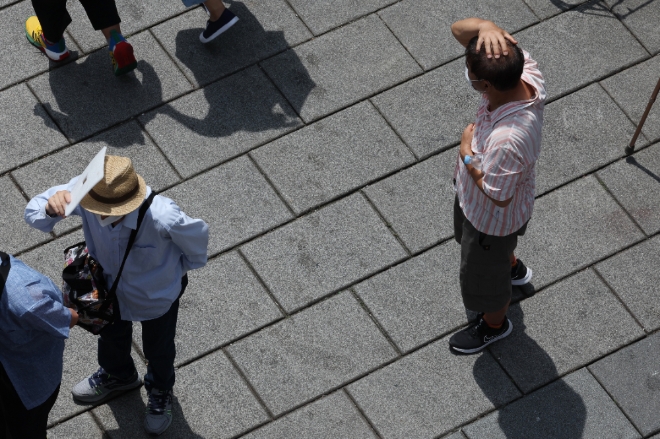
(100, 385)
(159, 411)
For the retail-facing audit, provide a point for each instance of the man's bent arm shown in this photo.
(35, 212)
(491, 36)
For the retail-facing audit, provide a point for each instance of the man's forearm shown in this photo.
(465, 30)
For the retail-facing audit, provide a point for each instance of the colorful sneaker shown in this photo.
(478, 335)
(520, 274)
(215, 28)
(100, 385)
(34, 34)
(121, 53)
(159, 411)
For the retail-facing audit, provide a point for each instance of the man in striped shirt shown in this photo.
(495, 177)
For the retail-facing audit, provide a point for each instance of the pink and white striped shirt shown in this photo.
(510, 140)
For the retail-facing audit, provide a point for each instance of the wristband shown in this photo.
(467, 159)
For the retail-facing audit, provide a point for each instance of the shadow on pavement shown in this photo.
(647, 171)
(554, 411)
(594, 8)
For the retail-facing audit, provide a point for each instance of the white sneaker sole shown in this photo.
(218, 32)
(524, 280)
(475, 350)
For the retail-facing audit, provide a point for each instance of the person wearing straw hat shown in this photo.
(168, 244)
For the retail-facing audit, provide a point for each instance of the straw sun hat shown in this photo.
(120, 192)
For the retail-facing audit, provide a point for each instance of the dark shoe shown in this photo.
(520, 274)
(215, 28)
(159, 411)
(100, 385)
(478, 335)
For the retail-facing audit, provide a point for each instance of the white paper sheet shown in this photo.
(88, 179)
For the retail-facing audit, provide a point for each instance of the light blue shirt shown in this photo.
(33, 326)
(168, 244)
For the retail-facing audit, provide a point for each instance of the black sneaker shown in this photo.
(215, 28)
(478, 335)
(159, 412)
(520, 274)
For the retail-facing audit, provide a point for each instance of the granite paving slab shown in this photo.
(418, 202)
(17, 235)
(563, 44)
(632, 90)
(638, 292)
(223, 301)
(234, 199)
(324, 15)
(48, 259)
(263, 29)
(127, 140)
(27, 130)
(550, 338)
(80, 426)
(346, 65)
(640, 16)
(568, 150)
(632, 378)
(210, 401)
(221, 121)
(311, 352)
(545, 9)
(418, 300)
(332, 156)
(330, 417)
(573, 407)
(431, 112)
(22, 60)
(85, 97)
(430, 392)
(573, 227)
(323, 252)
(457, 435)
(634, 182)
(135, 16)
(423, 26)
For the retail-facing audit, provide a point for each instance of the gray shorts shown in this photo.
(485, 265)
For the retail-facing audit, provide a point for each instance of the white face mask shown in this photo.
(109, 220)
(471, 81)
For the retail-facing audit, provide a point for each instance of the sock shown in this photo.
(494, 326)
(115, 38)
(515, 262)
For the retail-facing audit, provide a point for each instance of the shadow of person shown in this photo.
(128, 412)
(551, 412)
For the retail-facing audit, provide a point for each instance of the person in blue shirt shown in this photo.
(33, 326)
(168, 244)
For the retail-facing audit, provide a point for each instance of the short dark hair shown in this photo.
(503, 72)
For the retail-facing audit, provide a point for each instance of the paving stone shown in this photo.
(632, 89)
(331, 417)
(640, 17)
(28, 132)
(210, 400)
(633, 181)
(222, 302)
(84, 96)
(134, 15)
(321, 16)
(424, 26)
(80, 426)
(431, 112)
(346, 66)
(568, 150)
(221, 121)
(311, 352)
(264, 29)
(49, 258)
(430, 392)
(573, 407)
(457, 435)
(565, 43)
(545, 9)
(418, 300)
(333, 156)
(639, 292)
(16, 234)
(571, 228)
(234, 199)
(323, 252)
(550, 338)
(632, 377)
(418, 202)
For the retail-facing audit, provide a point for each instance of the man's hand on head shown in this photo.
(493, 39)
(57, 203)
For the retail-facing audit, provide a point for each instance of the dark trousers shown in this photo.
(54, 17)
(157, 341)
(17, 422)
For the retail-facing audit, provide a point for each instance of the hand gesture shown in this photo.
(493, 39)
(57, 203)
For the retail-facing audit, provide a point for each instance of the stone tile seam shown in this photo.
(539, 19)
(506, 372)
(374, 319)
(299, 17)
(623, 110)
(394, 130)
(253, 390)
(621, 206)
(272, 184)
(171, 58)
(618, 297)
(400, 42)
(286, 99)
(52, 119)
(167, 159)
(630, 31)
(362, 413)
(386, 223)
(9, 5)
(260, 279)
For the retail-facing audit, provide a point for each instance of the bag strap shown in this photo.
(143, 211)
(4, 271)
